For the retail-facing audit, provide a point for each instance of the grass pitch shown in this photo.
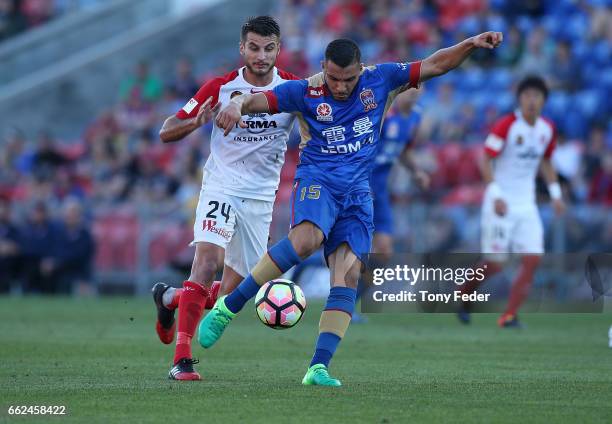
(102, 360)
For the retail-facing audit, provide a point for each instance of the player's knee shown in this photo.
(306, 239)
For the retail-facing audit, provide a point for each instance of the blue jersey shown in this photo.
(340, 138)
(398, 131)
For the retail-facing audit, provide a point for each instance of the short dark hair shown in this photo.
(343, 52)
(532, 81)
(261, 25)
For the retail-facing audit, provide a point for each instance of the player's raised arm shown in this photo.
(175, 129)
(238, 106)
(449, 58)
(286, 97)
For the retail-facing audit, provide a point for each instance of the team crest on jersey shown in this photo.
(519, 140)
(368, 100)
(235, 94)
(324, 112)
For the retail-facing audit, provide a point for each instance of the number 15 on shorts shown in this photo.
(312, 192)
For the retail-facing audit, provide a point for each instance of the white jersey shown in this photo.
(246, 163)
(518, 148)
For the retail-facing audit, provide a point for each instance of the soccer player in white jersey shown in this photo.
(519, 144)
(239, 185)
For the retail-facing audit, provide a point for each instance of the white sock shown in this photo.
(168, 296)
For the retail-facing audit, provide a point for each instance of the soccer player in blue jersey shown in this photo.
(341, 112)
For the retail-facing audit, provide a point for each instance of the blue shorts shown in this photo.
(343, 218)
(383, 212)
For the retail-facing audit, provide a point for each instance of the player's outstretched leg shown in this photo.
(490, 268)
(278, 260)
(519, 291)
(166, 301)
(334, 322)
(191, 307)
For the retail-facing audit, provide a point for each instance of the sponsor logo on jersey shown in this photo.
(235, 94)
(260, 125)
(324, 112)
(191, 104)
(342, 149)
(256, 138)
(368, 100)
(211, 226)
(529, 154)
(315, 92)
(253, 91)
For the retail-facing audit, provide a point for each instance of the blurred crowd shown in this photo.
(116, 163)
(21, 15)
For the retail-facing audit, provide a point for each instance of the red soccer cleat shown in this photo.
(165, 325)
(214, 293)
(183, 370)
(509, 321)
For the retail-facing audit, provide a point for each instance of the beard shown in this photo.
(259, 71)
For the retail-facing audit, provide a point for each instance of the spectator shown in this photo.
(512, 49)
(565, 75)
(11, 19)
(76, 252)
(601, 185)
(47, 157)
(142, 86)
(184, 85)
(537, 58)
(9, 247)
(39, 240)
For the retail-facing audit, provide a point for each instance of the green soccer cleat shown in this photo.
(317, 375)
(212, 326)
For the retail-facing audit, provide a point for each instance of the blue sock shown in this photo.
(326, 347)
(340, 299)
(283, 255)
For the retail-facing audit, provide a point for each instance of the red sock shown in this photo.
(490, 269)
(522, 283)
(191, 308)
(175, 299)
(213, 294)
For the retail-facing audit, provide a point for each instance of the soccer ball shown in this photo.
(280, 304)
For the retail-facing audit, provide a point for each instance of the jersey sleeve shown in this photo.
(399, 74)
(191, 108)
(287, 97)
(496, 140)
(209, 89)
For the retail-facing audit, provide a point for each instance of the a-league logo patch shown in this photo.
(368, 100)
(324, 112)
(191, 104)
(519, 140)
(235, 94)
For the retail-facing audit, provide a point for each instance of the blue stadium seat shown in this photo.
(499, 79)
(587, 102)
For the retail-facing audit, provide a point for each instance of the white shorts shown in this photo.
(239, 225)
(519, 231)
